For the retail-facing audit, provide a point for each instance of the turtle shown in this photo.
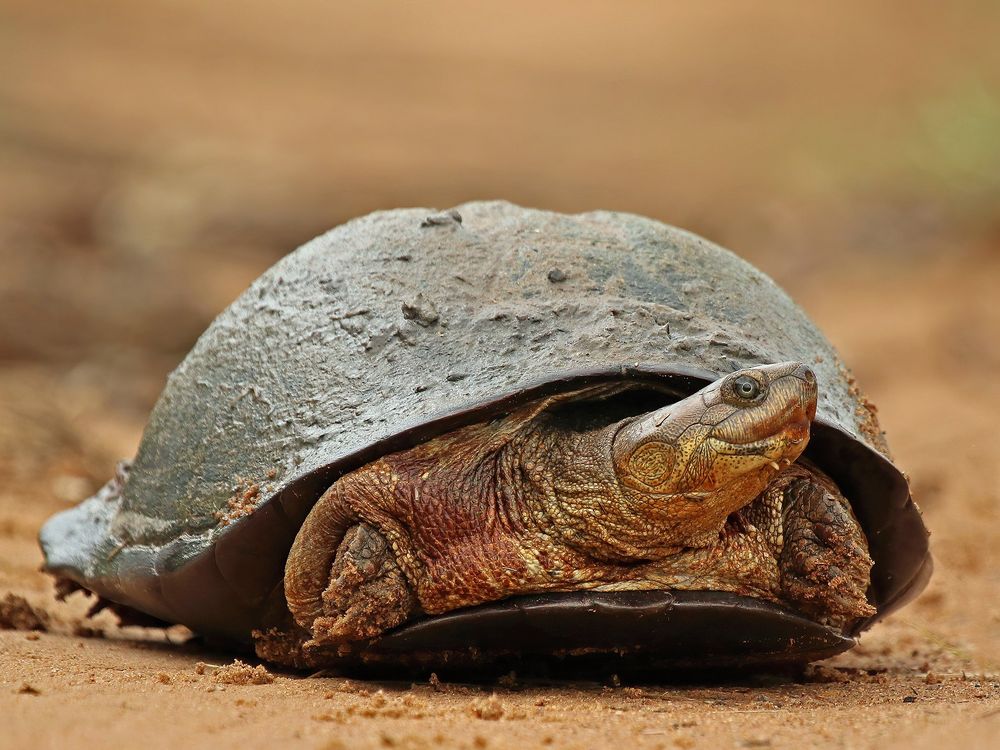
(498, 432)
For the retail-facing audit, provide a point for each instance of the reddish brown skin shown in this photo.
(697, 495)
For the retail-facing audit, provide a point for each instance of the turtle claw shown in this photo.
(825, 566)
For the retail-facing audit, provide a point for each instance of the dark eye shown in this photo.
(746, 387)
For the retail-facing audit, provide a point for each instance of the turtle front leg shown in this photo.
(365, 594)
(368, 592)
(823, 562)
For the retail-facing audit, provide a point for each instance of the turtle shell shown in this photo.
(401, 325)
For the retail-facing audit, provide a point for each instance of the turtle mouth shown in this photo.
(773, 447)
(791, 437)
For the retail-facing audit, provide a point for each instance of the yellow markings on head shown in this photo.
(652, 463)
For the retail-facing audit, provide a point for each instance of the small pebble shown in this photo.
(490, 709)
(557, 275)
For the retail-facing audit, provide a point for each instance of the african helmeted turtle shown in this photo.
(499, 431)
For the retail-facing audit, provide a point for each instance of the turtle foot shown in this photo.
(824, 562)
(368, 592)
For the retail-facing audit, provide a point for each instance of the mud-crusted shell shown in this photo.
(403, 324)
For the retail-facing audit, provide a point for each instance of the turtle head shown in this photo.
(704, 457)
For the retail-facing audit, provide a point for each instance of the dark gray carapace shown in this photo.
(390, 330)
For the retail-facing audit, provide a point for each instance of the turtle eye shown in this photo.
(746, 388)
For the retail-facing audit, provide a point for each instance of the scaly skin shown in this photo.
(701, 495)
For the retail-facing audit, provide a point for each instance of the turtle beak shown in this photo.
(810, 390)
(802, 381)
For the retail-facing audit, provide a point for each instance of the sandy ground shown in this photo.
(928, 675)
(156, 158)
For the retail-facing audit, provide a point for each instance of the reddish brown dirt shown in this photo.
(157, 156)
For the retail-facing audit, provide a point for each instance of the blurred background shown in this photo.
(156, 156)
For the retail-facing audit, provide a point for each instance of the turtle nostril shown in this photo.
(805, 373)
